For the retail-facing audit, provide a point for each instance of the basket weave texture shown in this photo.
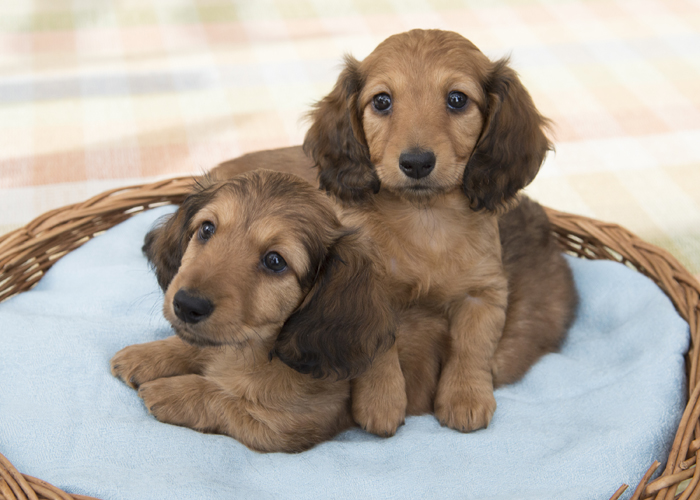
(28, 252)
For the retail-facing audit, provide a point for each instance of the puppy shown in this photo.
(424, 144)
(541, 306)
(242, 262)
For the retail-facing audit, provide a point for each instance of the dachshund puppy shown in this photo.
(541, 306)
(424, 144)
(249, 260)
(241, 262)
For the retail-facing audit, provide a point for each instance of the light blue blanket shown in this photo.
(581, 423)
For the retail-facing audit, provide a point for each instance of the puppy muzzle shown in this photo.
(191, 308)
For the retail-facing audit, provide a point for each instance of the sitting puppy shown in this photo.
(239, 262)
(424, 145)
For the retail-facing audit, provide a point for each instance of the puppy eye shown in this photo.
(381, 102)
(457, 100)
(274, 262)
(206, 230)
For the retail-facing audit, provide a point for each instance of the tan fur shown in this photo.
(437, 234)
(418, 118)
(444, 256)
(541, 305)
(379, 395)
(217, 375)
(439, 237)
(290, 160)
(236, 391)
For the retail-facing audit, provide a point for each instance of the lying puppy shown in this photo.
(248, 260)
(239, 262)
(424, 144)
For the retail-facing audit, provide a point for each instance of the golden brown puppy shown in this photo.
(425, 143)
(427, 140)
(245, 260)
(541, 306)
(240, 262)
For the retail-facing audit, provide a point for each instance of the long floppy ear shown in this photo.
(336, 140)
(165, 244)
(512, 145)
(345, 319)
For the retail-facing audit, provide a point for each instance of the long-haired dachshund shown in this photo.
(240, 262)
(424, 144)
(247, 261)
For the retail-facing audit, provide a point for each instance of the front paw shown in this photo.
(380, 414)
(134, 365)
(176, 400)
(466, 408)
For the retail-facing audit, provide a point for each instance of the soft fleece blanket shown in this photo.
(581, 423)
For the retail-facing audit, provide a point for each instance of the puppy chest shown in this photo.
(435, 264)
(436, 251)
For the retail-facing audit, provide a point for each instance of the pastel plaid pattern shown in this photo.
(96, 94)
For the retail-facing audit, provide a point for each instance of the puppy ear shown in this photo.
(336, 140)
(512, 145)
(345, 319)
(165, 244)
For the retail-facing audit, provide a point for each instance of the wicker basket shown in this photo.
(26, 253)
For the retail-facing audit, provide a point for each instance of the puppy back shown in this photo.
(542, 297)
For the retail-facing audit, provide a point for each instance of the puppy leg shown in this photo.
(141, 363)
(379, 395)
(202, 404)
(464, 399)
(183, 400)
(423, 343)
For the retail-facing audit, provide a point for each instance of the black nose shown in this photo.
(417, 165)
(190, 308)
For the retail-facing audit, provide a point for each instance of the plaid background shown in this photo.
(96, 94)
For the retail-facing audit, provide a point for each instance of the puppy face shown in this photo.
(426, 113)
(422, 112)
(263, 257)
(250, 258)
(243, 270)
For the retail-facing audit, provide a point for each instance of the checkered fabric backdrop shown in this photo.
(96, 94)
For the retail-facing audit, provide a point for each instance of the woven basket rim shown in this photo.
(27, 252)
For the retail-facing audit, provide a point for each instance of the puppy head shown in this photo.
(263, 255)
(427, 113)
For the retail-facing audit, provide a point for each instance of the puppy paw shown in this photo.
(175, 400)
(134, 365)
(141, 363)
(381, 408)
(465, 408)
(381, 416)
